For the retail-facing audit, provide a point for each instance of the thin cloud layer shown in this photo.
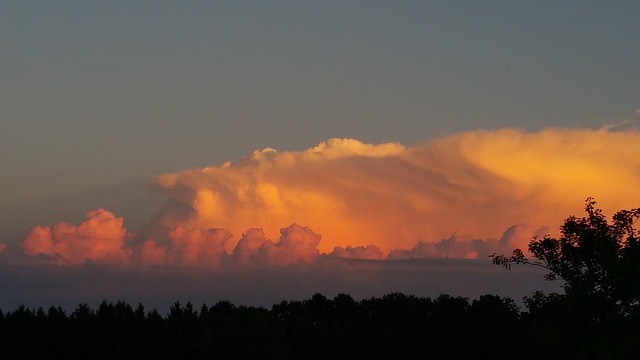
(369, 252)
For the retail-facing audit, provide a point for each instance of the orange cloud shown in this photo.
(186, 247)
(366, 201)
(478, 183)
(100, 237)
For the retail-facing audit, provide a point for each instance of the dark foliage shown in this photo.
(599, 262)
(394, 326)
(598, 316)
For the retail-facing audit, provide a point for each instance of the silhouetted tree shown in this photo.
(599, 263)
(492, 318)
(597, 317)
(393, 326)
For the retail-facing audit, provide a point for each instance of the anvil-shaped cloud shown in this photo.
(461, 196)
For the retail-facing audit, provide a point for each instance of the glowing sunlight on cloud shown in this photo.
(461, 196)
(478, 183)
(100, 237)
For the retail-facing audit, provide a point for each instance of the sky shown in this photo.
(257, 150)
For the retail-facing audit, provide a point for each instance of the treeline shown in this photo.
(395, 326)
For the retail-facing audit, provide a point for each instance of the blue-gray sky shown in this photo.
(96, 97)
(99, 93)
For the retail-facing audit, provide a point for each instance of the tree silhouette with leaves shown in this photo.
(598, 260)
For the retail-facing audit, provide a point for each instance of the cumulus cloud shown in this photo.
(453, 247)
(186, 247)
(206, 248)
(516, 235)
(357, 194)
(366, 201)
(101, 237)
(460, 246)
(296, 244)
(248, 248)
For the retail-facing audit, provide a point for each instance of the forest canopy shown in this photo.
(596, 317)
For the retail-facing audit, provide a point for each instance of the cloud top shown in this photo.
(461, 196)
(357, 194)
(100, 237)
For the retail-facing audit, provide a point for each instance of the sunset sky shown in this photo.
(257, 151)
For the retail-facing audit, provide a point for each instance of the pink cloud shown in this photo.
(101, 237)
(248, 248)
(455, 246)
(296, 244)
(187, 248)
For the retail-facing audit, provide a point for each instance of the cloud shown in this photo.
(463, 196)
(452, 247)
(623, 124)
(100, 237)
(185, 248)
(355, 194)
(520, 234)
(296, 244)
(370, 252)
(248, 247)
(460, 246)
(385, 218)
